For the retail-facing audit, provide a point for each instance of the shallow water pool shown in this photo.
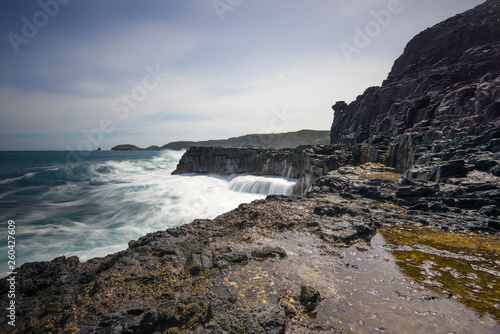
(405, 280)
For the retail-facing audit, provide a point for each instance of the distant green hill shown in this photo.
(128, 147)
(276, 140)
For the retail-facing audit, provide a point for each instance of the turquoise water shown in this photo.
(93, 203)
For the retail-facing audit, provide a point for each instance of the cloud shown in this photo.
(267, 79)
(359, 8)
(226, 78)
(196, 105)
(46, 113)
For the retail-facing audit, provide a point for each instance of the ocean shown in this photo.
(94, 205)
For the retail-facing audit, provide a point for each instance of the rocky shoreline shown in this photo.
(420, 153)
(170, 281)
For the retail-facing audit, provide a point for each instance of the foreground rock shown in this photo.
(309, 297)
(166, 281)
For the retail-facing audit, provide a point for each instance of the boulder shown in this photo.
(269, 252)
(453, 168)
(309, 297)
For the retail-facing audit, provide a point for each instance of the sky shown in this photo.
(82, 74)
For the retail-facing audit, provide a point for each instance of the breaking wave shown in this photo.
(96, 206)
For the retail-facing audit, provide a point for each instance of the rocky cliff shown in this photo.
(305, 163)
(445, 86)
(439, 103)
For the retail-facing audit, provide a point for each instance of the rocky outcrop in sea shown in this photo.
(396, 229)
(305, 163)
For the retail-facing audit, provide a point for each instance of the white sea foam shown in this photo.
(262, 185)
(14, 179)
(104, 205)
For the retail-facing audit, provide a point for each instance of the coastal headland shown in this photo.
(395, 226)
(274, 140)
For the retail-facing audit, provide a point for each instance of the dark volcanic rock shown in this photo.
(197, 262)
(309, 298)
(269, 252)
(305, 163)
(496, 170)
(445, 85)
(491, 210)
(453, 168)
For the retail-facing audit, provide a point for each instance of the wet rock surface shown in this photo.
(367, 286)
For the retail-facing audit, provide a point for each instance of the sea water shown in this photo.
(94, 205)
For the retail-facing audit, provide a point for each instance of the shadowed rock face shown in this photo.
(305, 163)
(445, 85)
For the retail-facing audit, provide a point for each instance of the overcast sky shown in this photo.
(87, 74)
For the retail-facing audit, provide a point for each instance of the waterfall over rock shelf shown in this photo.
(269, 185)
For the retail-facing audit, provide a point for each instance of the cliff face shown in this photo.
(235, 160)
(446, 85)
(305, 163)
